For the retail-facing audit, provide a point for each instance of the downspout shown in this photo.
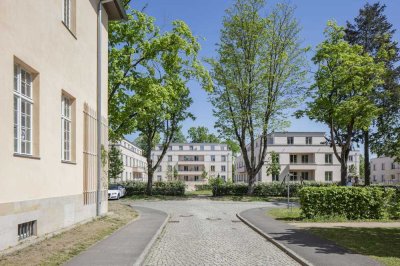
(99, 37)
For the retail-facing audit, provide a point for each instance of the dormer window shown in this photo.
(290, 140)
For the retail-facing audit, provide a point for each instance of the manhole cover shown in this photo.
(186, 215)
(213, 219)
(173, 221)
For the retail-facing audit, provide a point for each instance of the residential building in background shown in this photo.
(385, 170)
(48, 77)
(135, 165)
(302, 156)
(191, 160)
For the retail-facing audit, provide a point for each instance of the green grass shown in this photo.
(382, 244)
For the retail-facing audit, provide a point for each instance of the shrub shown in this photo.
(350, 202)
(170, 188)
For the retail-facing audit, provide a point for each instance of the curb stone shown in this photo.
(147, 249)
(288, 251)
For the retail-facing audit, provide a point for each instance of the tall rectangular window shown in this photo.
(169, 158)
(66, 124)
(223, 168)
(67, 13)
(223, 158)
(290, 140)
(328, 158)
(23, 107)
(304, 158)
(328, 176)
(212, 158)
(293, 158)
(308, 140)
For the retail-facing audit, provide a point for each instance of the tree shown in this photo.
(175, 174)
(273, 165)
(148, 75)
(361, 170)
(341, 92)
(179, 137)
(258, 71)
(233, 146)
(116, 165)
(204, 175)
(201, 135)
(373, 32)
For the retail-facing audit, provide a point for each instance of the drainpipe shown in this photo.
(99, 37)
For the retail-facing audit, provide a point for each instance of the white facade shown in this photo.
(135, 165)
(385, 170)
(302, 155)
(190, 161)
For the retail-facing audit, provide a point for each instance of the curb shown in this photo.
(289, 252)
(147, 249)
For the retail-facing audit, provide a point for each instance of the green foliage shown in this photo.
(202, 187)
(200, 134)
(340, 95)
(273, 165)
(350, 202)
(258, 71)
(170, 188)
(233, 146)
(116, 165)
(179, 137)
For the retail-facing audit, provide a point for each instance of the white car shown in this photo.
(116, 192)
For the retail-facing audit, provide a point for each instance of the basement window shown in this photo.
(26, 230)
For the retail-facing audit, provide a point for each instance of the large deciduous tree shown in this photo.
(201, 134)
(258, 73)
(116, 165)
(373, 32)
(345, 78)
(148, 73)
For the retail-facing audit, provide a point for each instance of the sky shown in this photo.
(204, 17)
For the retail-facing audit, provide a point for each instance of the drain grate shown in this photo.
(213, 218)
(173, 221)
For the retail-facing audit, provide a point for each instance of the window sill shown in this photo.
(68, 162)
(70, 31)
(26, 156)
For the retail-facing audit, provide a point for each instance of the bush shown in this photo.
(170, 188)
(350, 202)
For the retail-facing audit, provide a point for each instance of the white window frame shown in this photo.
(26, 99)
(66, 14)
(66, 128)
(328, 176)
(328, 158)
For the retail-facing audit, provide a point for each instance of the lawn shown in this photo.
(382, 244)
(58, 249)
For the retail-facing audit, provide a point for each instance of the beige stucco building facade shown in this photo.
(385, 171)
(302, 156)
(192, 159)
(48, 84)
(135, 164)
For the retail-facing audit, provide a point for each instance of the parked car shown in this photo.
(116, 191)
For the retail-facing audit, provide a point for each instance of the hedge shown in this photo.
(170, 188)
(274, 189)
(350, 202)
(203, 187)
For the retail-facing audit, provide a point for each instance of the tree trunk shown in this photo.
(149, 183)
(343, 172)
(367, 169)
(250, 188)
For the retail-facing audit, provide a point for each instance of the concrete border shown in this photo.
(147, 249)
(288, 251)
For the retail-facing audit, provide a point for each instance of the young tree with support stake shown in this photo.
(258, 73)
(341, 93)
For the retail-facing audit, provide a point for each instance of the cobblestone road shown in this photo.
(205, 232)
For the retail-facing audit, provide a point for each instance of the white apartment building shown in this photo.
(48, 114)
(135, 165)
(190, 161)
(385, 170)
(302, 155)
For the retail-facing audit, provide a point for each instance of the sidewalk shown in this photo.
(127, 246)
(309, 249)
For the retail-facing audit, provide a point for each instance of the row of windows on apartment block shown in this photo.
(294, 176)
(132, 162)
(305, 158)
(24, 116)
(132, 148)
(193, 168)
(186, 177)
(390, 177)
(131, 175)
(194, 158)
(383, 166)
(289, 141)
(193, 148)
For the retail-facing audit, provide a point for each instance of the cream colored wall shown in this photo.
(32, 30)
(387, 172)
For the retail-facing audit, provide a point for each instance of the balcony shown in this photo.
(138, 169)
(191, 158)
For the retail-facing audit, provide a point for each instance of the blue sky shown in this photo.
(204, 17)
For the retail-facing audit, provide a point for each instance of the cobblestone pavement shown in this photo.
(205, 232)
